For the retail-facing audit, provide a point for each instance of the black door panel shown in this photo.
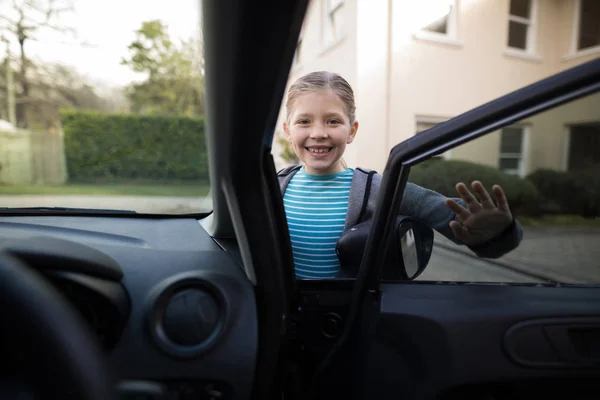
(432, 338)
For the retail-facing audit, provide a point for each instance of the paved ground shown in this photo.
(566, 255)
(451, 265)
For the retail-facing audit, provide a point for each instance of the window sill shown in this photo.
(523, 55)
(582, 53)
(511, 171)
(332, 45)
(438, 38)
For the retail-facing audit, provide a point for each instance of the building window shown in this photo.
(423, 126)
(427, 123)
(437, 21)
(512, 150)
(588, 24)
(445, 19)
(583, 147)
(333, 23)
(521, 25)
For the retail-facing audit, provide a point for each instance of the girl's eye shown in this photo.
(303, 122)
(334, 121)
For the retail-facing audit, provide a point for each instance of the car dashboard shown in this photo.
(171, 307)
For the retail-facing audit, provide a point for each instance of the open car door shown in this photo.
(469, 339)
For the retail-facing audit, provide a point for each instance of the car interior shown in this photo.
(123, 305)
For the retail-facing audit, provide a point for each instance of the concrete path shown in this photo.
(566, 255)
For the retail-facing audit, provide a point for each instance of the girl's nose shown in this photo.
(318, 133)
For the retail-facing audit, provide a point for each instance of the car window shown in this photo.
(413, 65)
(102, 106)
(548, 167)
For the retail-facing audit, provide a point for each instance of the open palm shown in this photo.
(482, 219)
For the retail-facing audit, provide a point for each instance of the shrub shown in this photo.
(123, 147)
(573, 192)
(442, 176)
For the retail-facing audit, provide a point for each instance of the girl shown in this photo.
(323, 198)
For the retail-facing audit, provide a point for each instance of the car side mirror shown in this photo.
(408, 254)
(415, 247)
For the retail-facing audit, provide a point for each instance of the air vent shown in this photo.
(191, 316)
(88, 278)
(187, 317)
(103, 305)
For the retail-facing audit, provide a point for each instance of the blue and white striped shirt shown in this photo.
(316, 207)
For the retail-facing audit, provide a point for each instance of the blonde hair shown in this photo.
(321, 80)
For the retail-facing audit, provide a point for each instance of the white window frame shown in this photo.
(329, 34)
(523, 157)
(451, 36)
(429, 119)
(531, 39)
(574, 51)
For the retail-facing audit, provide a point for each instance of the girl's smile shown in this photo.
(319, 151)
(319, 130)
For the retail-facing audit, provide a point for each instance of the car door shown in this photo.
(525, 324)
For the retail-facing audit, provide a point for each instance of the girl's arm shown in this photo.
(488, 232)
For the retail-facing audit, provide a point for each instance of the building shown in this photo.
(414, 64)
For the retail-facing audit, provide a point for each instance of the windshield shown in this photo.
(101, 106)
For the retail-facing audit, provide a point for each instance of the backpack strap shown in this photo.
(363, 191)
(365, 203)
(285, 175)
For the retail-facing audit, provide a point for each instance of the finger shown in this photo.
(470, 200)
(462, 213)
(501, 199)
(459, 231)
(484, 196)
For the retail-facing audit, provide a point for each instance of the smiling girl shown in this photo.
(323, 198)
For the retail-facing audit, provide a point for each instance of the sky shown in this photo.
(108, 26)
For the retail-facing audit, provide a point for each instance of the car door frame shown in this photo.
(249, 49)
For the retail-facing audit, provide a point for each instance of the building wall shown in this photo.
(400, 77)
(547, 143)
(549, 136)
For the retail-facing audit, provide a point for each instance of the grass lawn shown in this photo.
(558, 221)
(132, 189)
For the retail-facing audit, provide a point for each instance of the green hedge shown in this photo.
(124, 147)
(574, 192)
(442, 176)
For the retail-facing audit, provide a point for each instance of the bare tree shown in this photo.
(28, 19)
(54, 86)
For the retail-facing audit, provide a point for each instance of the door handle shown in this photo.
(555, 343)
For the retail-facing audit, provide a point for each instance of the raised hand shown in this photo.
(482, 219)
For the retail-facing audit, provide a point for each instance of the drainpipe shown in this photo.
(388, 78)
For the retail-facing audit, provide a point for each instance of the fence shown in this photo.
(32, 158)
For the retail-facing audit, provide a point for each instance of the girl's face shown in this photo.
(319, 130)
